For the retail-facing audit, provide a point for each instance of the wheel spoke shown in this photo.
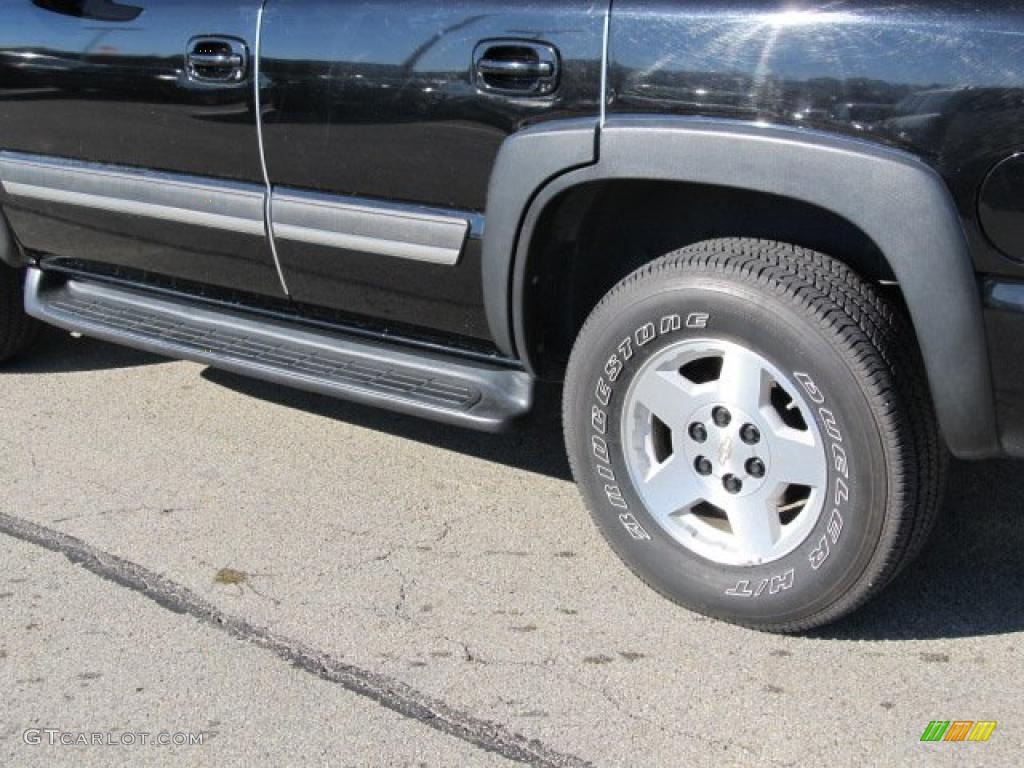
(742, 381)
(666, 395)
(797, 459)
(671, 487)
(756, 526)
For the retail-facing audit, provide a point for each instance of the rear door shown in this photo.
(128, 138)
(382, 120)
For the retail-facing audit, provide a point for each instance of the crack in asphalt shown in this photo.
(387, 692)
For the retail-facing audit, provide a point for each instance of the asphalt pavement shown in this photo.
(276, 578)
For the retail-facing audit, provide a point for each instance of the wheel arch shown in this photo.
(899, 204)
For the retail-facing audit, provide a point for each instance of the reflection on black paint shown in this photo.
(943, 79)
(101, 10)
(105, 82)
(376, 98)
(108, 81)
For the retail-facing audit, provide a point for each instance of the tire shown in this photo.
(17, 330)
(732, 352)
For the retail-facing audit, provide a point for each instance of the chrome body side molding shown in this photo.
(223, 205)
(352, 224)
(386, 229)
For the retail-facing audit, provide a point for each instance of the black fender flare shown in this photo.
(893, 197)
(526, 163)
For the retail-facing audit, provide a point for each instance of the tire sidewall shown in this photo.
(637, 324)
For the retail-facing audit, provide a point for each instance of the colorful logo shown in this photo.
(958, 730)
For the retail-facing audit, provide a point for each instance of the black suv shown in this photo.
(774, 251)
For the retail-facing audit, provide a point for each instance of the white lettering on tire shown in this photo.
(840, 497)
(603, 391)
(772, 585)
(841, 490)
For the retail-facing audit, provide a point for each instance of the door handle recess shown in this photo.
(217, 60)
(516, 68)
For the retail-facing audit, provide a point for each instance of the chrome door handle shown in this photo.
(221, 60)
(217, 60)
(521, 67)
(516, 67)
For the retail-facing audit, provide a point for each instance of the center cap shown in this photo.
(725, 450)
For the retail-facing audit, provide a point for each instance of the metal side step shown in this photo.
(434, 386)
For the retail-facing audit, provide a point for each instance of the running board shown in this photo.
(444, 388)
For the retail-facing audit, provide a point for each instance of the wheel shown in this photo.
(751, 429)
(17, 330)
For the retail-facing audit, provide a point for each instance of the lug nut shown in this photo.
(755, 468)
(703, 466)
(698, 432)
(721, 416)
(732, 483)
(750, 434)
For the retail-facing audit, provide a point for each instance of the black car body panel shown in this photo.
(941, 80)
(375, 99)
(108, 91)
(378, 101)
(115, 91)
(373, 164)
